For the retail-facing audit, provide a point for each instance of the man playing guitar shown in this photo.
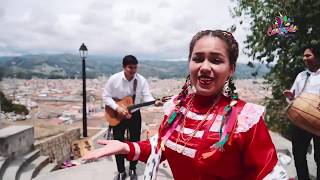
(120, 85)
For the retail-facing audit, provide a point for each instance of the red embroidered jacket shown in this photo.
(250, 156)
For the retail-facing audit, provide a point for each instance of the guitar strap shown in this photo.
(135, 82)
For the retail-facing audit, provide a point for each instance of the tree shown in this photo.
(285, 51)
(8, 106)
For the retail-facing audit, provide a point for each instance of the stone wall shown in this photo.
(16, 140)
(58, 147)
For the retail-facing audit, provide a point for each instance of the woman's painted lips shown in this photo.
(205, 80)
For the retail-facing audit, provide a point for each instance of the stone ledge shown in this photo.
(12, 130)
(16, 140)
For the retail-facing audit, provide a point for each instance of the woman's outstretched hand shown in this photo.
(111, 147)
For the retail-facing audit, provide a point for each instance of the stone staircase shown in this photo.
(18, 159)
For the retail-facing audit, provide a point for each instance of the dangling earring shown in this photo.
(226, 88)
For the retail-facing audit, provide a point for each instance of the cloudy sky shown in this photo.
(146, 28)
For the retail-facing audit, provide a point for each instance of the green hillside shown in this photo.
(69, 66)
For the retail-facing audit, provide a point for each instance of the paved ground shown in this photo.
(283, 144)
(106, 168)
(102, 170)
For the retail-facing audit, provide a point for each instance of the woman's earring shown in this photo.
(226, 88)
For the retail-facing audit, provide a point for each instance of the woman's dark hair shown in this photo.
(227, 37)
(315, 49)
(128, 60)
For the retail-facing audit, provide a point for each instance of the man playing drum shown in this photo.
(308, 82)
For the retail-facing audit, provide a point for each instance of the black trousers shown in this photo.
(134, 128)
(300, 143)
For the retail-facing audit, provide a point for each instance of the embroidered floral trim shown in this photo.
(249, 116)
(186, 151)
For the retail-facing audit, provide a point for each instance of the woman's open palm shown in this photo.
(111, 147)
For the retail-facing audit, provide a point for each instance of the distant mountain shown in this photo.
(70, 66)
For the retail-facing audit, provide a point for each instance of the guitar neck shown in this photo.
(135, 106)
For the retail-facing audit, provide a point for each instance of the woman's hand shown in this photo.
(111, 147)
(288, 94)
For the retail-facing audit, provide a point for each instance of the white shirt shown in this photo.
(119, 87)
(312, 86)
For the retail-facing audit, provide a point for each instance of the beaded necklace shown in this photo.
(227, 127)
(199, 125)
(226, 131)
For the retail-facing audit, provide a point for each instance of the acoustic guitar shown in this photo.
(127, 102)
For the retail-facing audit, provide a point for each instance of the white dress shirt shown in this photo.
(119, 87)
(312, 86)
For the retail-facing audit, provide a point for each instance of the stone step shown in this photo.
(4, 162)
(15, 166)
(48, 168)
(32, 169)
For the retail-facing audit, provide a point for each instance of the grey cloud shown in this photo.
(186, 23)
(3, 8)
(97, 19)
(143, 18)
(163, 4)
(2, 13)
(139, 17)
(98, 14)
(129, 15)
(101, 5)
(159, 28)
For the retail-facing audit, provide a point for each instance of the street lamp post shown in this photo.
(83, 54)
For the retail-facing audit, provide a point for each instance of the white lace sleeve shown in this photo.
(249, 116)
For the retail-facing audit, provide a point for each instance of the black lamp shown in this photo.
(83, 50)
